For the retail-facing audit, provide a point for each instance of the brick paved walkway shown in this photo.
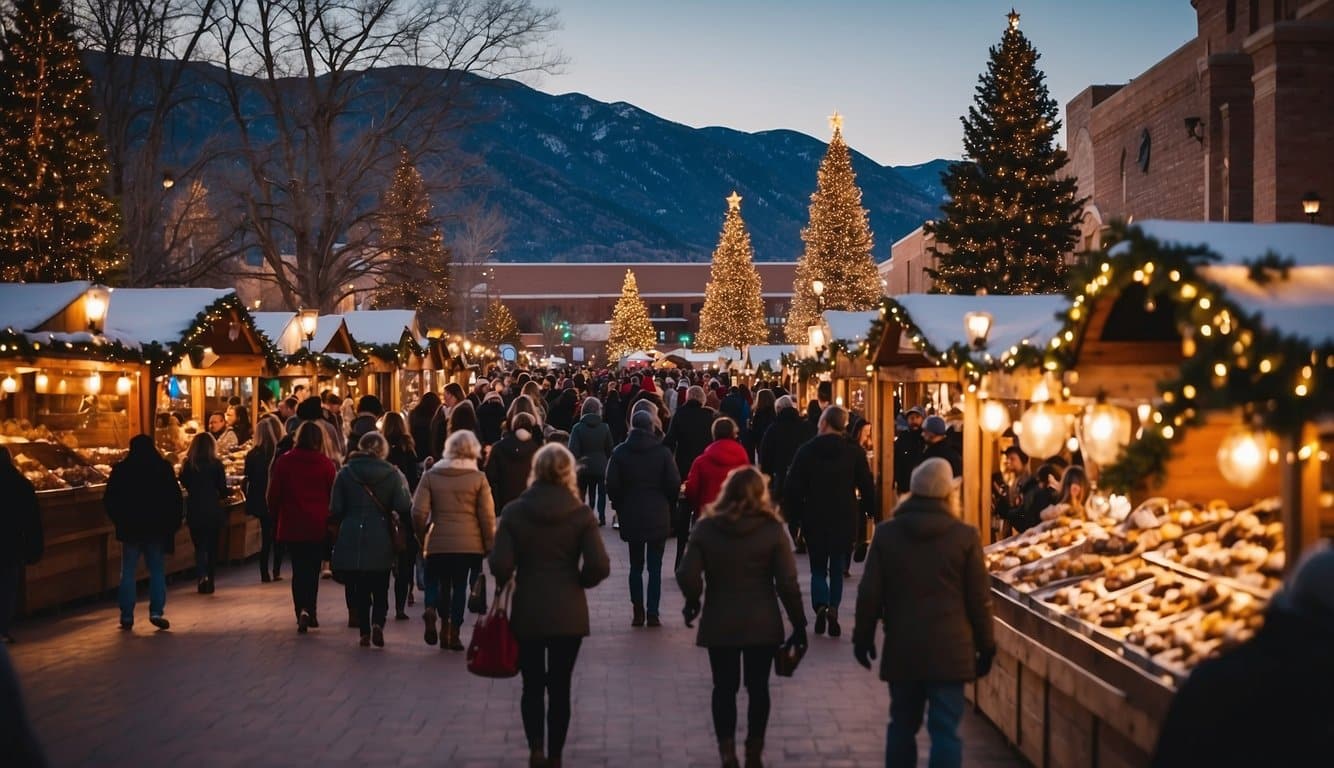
(232, 684)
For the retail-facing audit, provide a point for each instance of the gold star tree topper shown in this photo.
(836, 122)
(1013, 16)
(734, 201)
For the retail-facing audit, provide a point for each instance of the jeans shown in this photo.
(547, 664)
(944, 705)
(404, 571)
(827, 575)
(11, 573)
(727, 664)
(268, 548)
(594, 490)
(637, 551)
(157, 579)
(370, 598)
(306, 559)
(453, 574)
(205, 538)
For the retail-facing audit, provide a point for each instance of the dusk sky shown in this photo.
(901, 72)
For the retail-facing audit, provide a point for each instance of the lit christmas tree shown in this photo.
(499, 326)
(415, 274)
(733, 313)
(631, 329)
(1010, 220)
(838, 245)
(59, 223)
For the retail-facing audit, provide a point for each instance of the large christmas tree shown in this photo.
(838, 245)
(733, 313)
(631, 329)
(415, 274)
(1010, 220)
(499, 326)
(58, 222)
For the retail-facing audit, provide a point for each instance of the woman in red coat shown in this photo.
(708, 472)
(300, 484)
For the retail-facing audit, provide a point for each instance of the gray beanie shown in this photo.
(643, 420)
(933, 478)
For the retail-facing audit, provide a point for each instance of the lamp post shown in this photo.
(309, 319)
(96, 302)
(1311, 206)
(978, 325)
(817, 287)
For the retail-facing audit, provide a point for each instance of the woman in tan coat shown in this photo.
(454, 511)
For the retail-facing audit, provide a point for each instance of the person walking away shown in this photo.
(761, 418)
(926, 581)
(740, 561)
(453, 508)
(419, 423)
(369, 411)
(144, 502)
(591, 444)
(403, 455)
(561, 415)
(453, 395)
(614, 416)
(369, 496)
(491, 418)
(1277, 684)
(510, 461)
(828, 492)
(908, 448)
(705, 480)
(781, 441)
(643, 484)
(935, 436)
(205, 482)
(735, 407)
(258, 461)
(550, 539)
(300, 484)
(690, 430)
(23, 544)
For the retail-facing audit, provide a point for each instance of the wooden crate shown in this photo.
(1032, 715)
(1069, 729)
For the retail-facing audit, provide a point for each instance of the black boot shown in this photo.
(821, 614)
(754, 751)
(834, 629)
(638, 618)
(727, 751)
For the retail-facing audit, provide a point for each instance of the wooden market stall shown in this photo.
(389, 340)
(327, 359)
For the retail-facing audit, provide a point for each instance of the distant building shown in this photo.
(909, 258)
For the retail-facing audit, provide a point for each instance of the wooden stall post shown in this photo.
(973, 469)
(1300, 489)
(885, 429)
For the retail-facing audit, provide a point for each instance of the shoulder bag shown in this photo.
(493, 650)
(396, 536)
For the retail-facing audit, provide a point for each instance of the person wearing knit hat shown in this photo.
(925, 579)
(938, 445)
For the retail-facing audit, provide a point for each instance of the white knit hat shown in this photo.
(933, 478)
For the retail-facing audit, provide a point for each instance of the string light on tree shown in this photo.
(837, 244)
(499, 326)
(631, 328)
(416, 274)
(733, 313)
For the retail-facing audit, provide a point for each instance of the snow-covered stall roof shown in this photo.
(325, 330)
(849, 327)
(280, 328)
(694, 357)
(772, 354)
(25, 306)
(1300, 305)
(1016, 321)
(380, 327)
(158, 315)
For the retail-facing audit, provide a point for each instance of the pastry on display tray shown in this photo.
(1038, 542)
(1178, 646)
(1245, 549)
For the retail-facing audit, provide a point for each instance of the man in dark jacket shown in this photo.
(591, 444)
(23, 542)
(143, 500)
(735, 406)
(1267, 702)
(690, 431)
(926, 580)
(781, 441)
(643, 484)
(369, 411)
(828, 489)
(491, 417)
(908, 448)
(935, 433)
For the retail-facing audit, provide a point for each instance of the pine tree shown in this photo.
(415, 272)
(838, 245)
(499, 326)
(733, 313)
(631, 329)
(59, 223)
(1010, 220)
(190, 235)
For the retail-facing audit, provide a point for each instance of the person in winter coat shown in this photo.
(690, 431)
(788, 432)
(643, 484)
(1267, 701)
(453, 508)
(23, 542)
(935, 436)
(613, 413)
(828, 489)
(510, 461)
(909, 444)
(144, 502)
(369, 411)
(740, 561)
(419, 423)
(550, 538)
(453, 395)
(724, 454)
(591, 444)
(561, 415)
(299, 486)
(205, 480)
(926, 580)
(258, 460)
(369, 496)
(491, 418)
(761, 418)
(403, 455)
(735, 407)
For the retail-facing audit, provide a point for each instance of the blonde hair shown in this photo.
(745, 492)
(462, 445)
(554, 464)
(374, 444)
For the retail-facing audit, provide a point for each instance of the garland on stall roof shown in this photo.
(401, 353)
(1230, 359)
(162, 358)
(327, 362)
(16, 344)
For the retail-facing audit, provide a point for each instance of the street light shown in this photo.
(978, 325)
(309, 319)
(1311, 206)
(96, 301)
(168, 181)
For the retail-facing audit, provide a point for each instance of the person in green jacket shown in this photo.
(591, 444)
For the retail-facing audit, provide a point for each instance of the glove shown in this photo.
(690, 611)
(865, 654)
(984, 659)
(798, 637)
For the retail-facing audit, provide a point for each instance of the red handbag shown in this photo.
(493, 650)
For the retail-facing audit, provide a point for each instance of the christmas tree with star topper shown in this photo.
(1011, 217)
(733, 313)
(631, 329)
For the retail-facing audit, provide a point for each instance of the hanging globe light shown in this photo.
(995, 418)
(1106, 432)
(1242, 456)
(1043, 433)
